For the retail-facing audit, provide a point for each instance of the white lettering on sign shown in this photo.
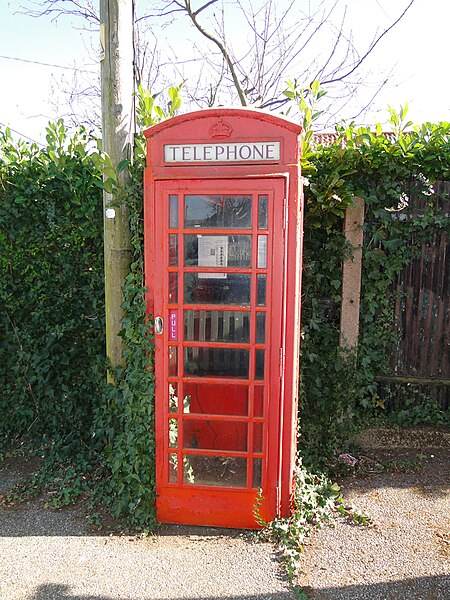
(245, 152)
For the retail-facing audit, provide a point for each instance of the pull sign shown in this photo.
(173, 325)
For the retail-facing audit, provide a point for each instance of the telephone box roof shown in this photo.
(208, 113)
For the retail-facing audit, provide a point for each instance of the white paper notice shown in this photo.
(213, 252)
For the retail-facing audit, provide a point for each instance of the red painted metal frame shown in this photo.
(216, 505)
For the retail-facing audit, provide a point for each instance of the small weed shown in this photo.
(94, 518)
(357, 517)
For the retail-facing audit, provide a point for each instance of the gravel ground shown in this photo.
(405, 555)
(50, 555)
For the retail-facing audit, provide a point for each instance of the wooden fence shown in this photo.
(420, 360)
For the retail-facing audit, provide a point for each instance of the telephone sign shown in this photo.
(223, 214)
(239, 152)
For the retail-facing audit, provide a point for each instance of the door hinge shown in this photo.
(278, 501)
(285, 213)
(282, 357)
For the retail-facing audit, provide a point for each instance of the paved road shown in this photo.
(405, 555)
(48, 555)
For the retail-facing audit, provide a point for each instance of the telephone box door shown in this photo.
(219, 289)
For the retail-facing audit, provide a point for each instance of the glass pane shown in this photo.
(173, 433)
(218, 250)
(215, 399)
(173, 215)
(218, 211)
(262, 212)
(173, 288)
(227, 288)
(224, 471)
(173, 468)
(257, 472)
(258, 401)
(187, 402)
(262, 251)
(259, 369)
(173, 361)
(173, 398)
(214, 435)
(216, 326)
(257, 437)
(260, 328)
(226, 362)
(261, 291)
(173, 249)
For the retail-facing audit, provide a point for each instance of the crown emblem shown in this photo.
(220, 130)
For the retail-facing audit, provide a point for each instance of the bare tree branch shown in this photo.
(84, 9)
(371, 48)
(251, 62)
(199, 10)
(209, 36)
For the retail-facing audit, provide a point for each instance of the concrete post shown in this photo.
(351, 275)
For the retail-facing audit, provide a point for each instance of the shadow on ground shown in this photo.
(415, 588)
(419, 588)
(426, 471)
(62, 592)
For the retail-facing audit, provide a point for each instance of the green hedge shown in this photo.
(340, 391)
(51, 292)
(51, 286)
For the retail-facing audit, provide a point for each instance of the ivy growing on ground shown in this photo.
(317, 500)
(126, 419)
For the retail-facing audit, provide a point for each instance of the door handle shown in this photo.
(159, 325)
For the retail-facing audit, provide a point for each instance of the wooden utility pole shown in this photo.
(116, 31)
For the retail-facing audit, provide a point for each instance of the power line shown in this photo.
(20, 133)
(382, 9)
(42, 64)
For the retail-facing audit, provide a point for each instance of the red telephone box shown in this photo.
(223, 212)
